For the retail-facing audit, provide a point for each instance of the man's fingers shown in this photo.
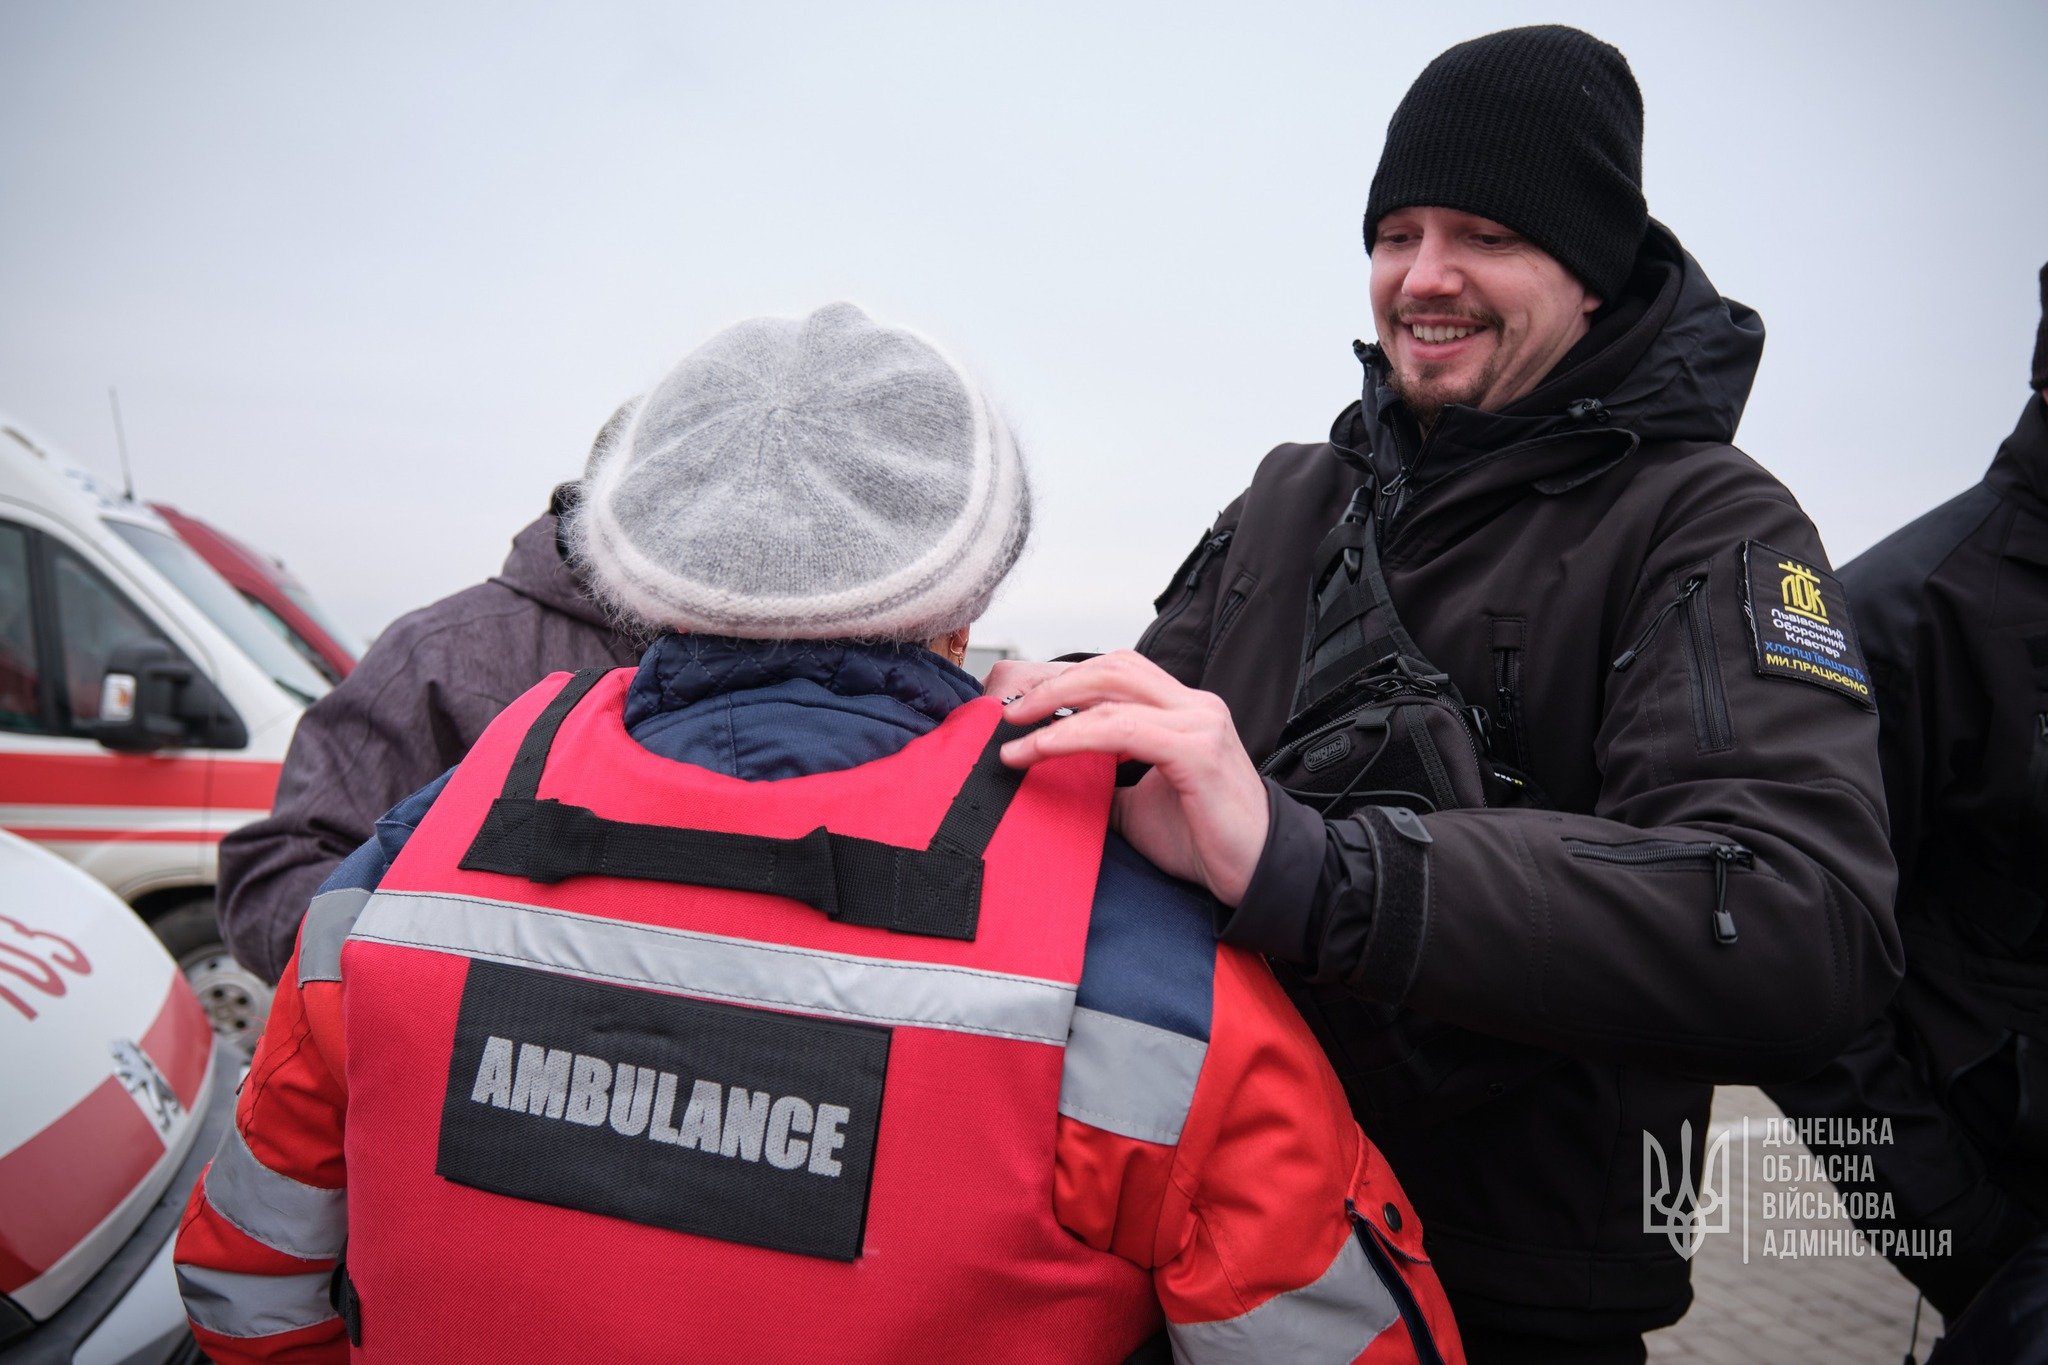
(1124, 676)
(1010, 677)
(1149, 734)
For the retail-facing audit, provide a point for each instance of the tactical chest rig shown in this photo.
(1380, 737)
(645, 1061)
(1375, 724)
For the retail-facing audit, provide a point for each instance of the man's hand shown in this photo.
(1200, 814)
(1013, 677)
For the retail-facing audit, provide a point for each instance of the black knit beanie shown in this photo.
(2041, 338)
(1539, 129)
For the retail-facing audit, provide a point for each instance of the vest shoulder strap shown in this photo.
(934, 892)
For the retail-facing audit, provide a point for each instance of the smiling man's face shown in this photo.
(1469, 311)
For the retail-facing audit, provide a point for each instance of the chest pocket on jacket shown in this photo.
(1701, 654)
(1231, 607)
(1509, 638)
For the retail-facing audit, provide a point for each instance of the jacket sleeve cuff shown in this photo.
(1274, 916)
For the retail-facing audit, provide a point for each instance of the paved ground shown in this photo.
(1846, 1308)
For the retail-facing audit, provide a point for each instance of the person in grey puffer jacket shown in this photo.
(408, 713)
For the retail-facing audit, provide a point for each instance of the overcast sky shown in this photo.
(370, 276)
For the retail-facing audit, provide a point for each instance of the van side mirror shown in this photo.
(151, 699)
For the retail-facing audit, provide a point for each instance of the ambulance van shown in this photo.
(116, 1095)
(144, 708)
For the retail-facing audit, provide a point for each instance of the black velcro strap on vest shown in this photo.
(934, 892)
(524, 778)
(972, 818)
(854, 881)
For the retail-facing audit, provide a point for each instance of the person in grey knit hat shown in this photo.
(818, 478)
(780, 855)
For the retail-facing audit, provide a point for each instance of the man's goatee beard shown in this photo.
(1423, 405)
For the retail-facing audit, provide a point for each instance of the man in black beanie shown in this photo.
(1954, 611)
(1567, 803)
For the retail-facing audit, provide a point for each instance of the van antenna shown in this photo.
(121, 443)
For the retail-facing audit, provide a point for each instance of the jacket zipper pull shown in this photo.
(1201, 564)
(1628, 656)
(1724, 923)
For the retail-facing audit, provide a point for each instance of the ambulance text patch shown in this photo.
(1799, 624)
(747, 1125)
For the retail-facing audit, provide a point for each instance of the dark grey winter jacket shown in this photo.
(409, 711)
(1730, 764)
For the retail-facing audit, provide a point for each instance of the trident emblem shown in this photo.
(1684, 1213)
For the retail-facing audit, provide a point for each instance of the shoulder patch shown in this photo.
(1799, 624)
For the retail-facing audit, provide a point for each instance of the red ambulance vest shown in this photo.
(601, 1115)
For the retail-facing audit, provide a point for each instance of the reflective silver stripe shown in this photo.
(1129, 1078)
(282, 1213)
(236, 1305)
(838, 985)
(1330, 1321)
(328, 920)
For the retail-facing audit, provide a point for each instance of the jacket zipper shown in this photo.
(1233, 602)
(2037, 767)
(1197, 565)
(1650, 852)
(1702, 663)
(1627, 658)
(1507, 691)
(1714, 731)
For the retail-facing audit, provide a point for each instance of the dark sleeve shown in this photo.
(391, 726)
(1900, 644)
(1178, 638)
(1595, 934)
(1929, 1168)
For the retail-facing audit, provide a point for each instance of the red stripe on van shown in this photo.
(181, 1041)
(60, 1184)
(136, 780)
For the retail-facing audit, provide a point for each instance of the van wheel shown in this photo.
(236, 999)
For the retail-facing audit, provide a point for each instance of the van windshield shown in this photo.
(208, 591)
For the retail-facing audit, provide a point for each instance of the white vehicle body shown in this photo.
(117, 1092)
(84, 573)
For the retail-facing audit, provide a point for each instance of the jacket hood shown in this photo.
(1671, 360)
(2021, 465)
(535, 569)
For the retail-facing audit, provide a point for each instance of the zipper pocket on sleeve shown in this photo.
(1672, 853)
(1711, 727)
(1182, 591)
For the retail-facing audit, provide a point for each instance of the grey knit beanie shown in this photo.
(805, 479)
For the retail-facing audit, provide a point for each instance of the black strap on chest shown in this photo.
(1352, 624)
(934, 892)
